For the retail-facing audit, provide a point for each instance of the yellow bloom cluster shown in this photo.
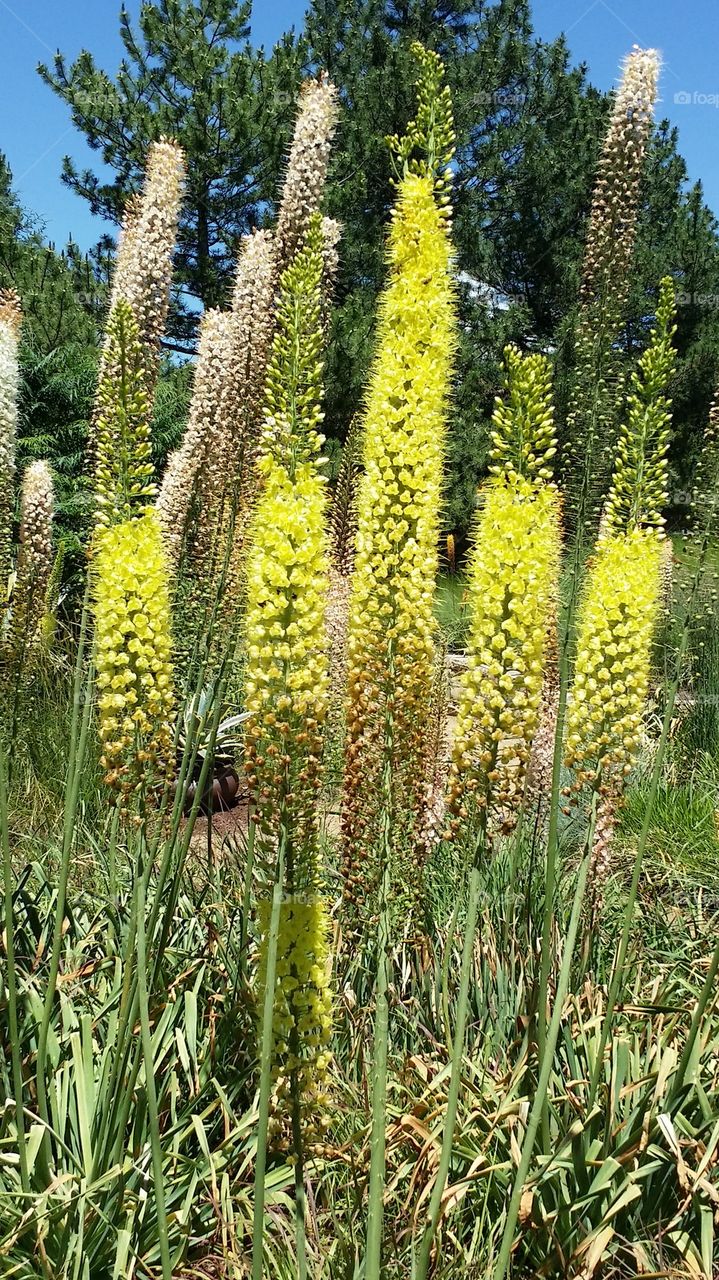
(302, 1014)
(133, 648)
(512, 585)
(617, 619)
(391, 627)
(626, 582)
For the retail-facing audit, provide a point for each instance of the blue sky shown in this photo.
(35, 131)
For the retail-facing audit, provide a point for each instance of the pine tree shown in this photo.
(61, 292)
(189, 72)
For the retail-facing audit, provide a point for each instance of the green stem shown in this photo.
(550, 881)
(375, 1214)
(539, 1101)
(266, 1065)
(11, 980)
(148, 1056)
(78, 744)
(620, 961)
(247, 891)
(450, 1118)
(300, 1199)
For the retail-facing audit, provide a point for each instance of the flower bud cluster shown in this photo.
(10, 322)
(427, 147)
(215, 396)
(523, 438)
(143, 269)
(613, 217)
(597, 382)
(123, 465)
(307, 163)
(639, 484)
(35, 557)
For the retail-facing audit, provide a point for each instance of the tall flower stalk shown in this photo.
(596, 386)
(129, 363)
(594, 402)
(34, 566)
(10, 323)
(130, 596)
(391, 626)
(642, 520)
(512, 588)
(391, 634)
(623, 593)
(209, 487)
(286, 695)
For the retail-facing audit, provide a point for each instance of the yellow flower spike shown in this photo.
(133, 647)
(512, 589)
(288, 686)
(619, 610)
(624, 590)
(287, 576)
(391, 625)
